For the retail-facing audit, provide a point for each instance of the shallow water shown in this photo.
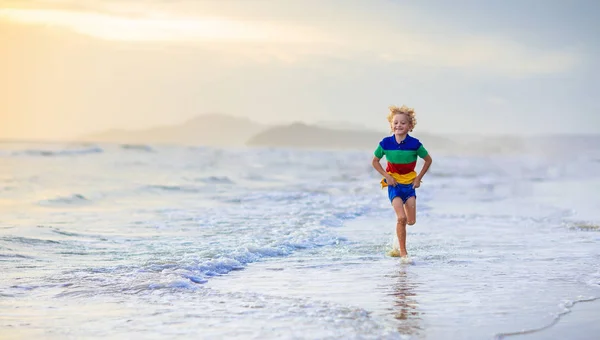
(171, 242)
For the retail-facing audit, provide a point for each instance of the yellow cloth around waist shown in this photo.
(402, 179)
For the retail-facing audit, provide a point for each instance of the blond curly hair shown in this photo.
(403, 110)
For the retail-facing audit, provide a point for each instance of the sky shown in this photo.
(73, 67)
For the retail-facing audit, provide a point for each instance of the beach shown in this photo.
(105, 241)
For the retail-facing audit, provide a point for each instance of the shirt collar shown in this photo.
(404, 141)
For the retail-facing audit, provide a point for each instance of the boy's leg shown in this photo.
(410, 208)
(400, 224)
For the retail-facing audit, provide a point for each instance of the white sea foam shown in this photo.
(183, 240)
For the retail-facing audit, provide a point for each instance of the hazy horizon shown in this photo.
(512, 68)
(174, 130)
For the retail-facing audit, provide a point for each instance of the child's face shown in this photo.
(400, 124)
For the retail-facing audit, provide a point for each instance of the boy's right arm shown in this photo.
(388, 178)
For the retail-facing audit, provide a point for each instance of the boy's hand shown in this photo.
(390, 180)
(416, 183)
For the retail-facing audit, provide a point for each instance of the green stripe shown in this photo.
(422, 152)
(378, 152)
(401, 156)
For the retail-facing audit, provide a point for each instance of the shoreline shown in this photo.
(578, 322)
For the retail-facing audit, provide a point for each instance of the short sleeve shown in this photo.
(422, 152)
(379, 152)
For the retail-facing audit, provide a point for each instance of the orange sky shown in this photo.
(71, 68)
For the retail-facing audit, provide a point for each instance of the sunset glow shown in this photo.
(122, 28)
(73, 67)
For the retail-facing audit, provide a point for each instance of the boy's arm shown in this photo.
(425, 167)
(389, 179)
(378, 166)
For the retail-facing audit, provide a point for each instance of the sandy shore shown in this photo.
(395, 295)
(582, 323)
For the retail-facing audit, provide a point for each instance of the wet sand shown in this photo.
(582, 323)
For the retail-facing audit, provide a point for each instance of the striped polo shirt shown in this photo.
(401, 157)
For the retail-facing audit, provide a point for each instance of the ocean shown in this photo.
(172, 242)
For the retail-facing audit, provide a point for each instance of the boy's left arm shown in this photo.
(426, 165)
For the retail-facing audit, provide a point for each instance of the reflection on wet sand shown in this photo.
(406, 307)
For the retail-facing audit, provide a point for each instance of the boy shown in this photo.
(401, 151)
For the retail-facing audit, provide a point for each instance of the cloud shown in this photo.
(154, 29)
(496, 101)
(480, 54)
(368, 36)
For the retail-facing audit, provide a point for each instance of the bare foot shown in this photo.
(394, 253)
(397, 253)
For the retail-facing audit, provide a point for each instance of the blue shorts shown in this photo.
(404, 191)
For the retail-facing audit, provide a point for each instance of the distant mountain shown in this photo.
(208, 129)
(336, 125)
(224, 130)
(311, 136)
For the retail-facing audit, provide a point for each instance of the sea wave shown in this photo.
(28, 240)
(594, 280)
(177, 273)
(585, 227)
(73, 199)
(171, 188)
(215, 180)
(201, 270)
(59, 152)
(7, 188)
(137, 147)
(14, 256)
